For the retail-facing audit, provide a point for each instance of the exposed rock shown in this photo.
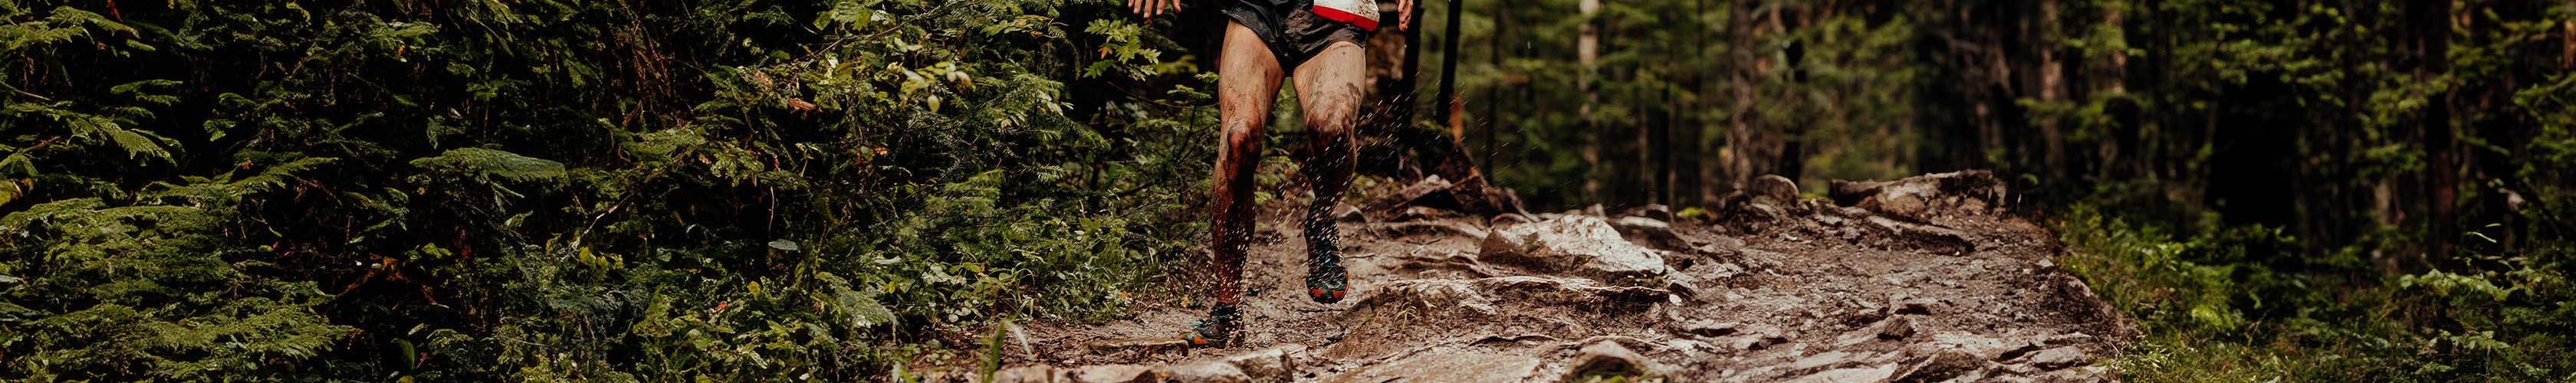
(1751, 341)
(1931, 238)
(1422, 213)
(1438, 295)
(1653, 232)
(2058, 358)
(1430, 191)
(1919, 198)
(1343, 212)
(1829, 359)
(1656, 211)
(1878, 373)
(1209, 371)
(1608, 358)
(1767, 289)
(1447, 367)
(1943, 365)
(1901, 304)
(1430, 228)
(1137, 345)
(1025, 374)
(1580, 290)
(1779, 189)
(1895, 327)
(1574, 244)
(1111, 373)
(1275, 364)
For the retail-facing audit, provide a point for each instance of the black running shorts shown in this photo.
(1292, 29)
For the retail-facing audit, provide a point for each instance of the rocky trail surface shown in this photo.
(1920, 279)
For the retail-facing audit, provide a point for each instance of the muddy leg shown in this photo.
(1247, 79)
(1329, 88)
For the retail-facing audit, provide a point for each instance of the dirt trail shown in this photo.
(1916, 280)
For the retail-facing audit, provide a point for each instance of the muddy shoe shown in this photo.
(1326, 280)
(1213, 330)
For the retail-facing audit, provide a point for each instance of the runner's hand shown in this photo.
(1149, 8)
(1404, 15)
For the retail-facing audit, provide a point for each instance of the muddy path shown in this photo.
(1922, 279)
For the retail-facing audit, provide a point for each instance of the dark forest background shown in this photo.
(474, 190)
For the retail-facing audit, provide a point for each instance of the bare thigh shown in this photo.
(1247, 77)
(1328, 87)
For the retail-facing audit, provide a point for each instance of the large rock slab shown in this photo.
(1580, 245)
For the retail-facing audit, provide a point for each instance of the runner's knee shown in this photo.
(1241, 138)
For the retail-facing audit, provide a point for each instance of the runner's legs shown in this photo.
(1328, 86)
(1247, 80)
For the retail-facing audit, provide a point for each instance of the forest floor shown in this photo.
(1931, 284)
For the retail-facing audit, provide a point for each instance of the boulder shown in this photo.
(1579, 245)
(1779, 189)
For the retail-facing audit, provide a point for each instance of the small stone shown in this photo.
(1609, 358)
(1895, 327)
(1211, 371)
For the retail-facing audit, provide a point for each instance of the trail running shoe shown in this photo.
(1326, 280)
(1212, 330)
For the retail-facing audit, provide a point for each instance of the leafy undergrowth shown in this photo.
(2244, 303)
(554, 190)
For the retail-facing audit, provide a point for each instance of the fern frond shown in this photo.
(495, 163)
(136, 143)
